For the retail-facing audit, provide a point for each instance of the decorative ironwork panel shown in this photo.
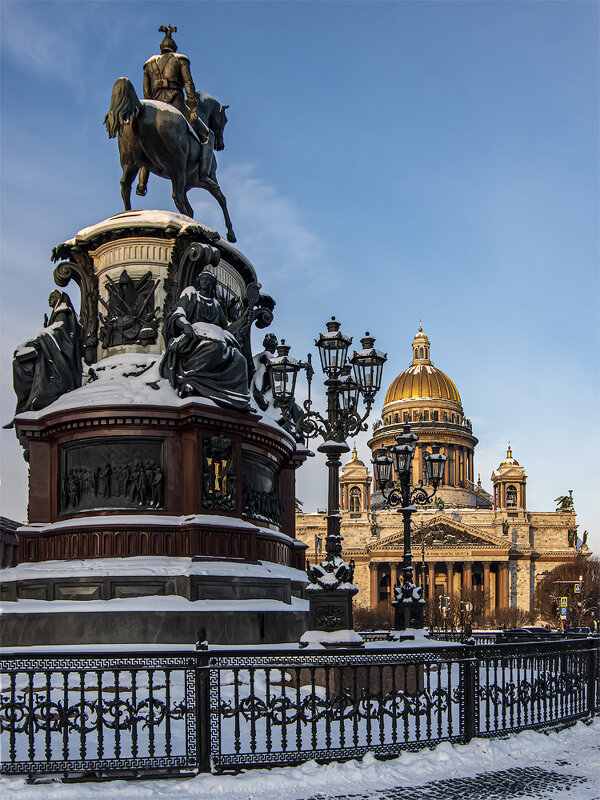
(297, 707)
(97, 714)
(260, 488)
(112, 472)
(530, 686)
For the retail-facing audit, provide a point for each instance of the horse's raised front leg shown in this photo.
(129, 174)
(216, 192)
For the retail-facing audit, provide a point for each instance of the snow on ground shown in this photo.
(574, 751)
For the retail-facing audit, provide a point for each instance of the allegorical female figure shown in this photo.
(202, 357)
(46, 367)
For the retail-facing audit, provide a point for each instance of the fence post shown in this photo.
(203, 712)
(469, 690)
(592, 665)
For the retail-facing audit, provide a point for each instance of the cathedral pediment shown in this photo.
(443, 531)
(354, 473)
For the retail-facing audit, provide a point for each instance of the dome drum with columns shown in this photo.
(427, 398)
(484, 547)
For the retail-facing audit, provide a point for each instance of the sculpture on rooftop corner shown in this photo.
(46, 367)
(203, 357)
(565, 502)
(167, 135)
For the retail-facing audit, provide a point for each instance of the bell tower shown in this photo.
(355, 484)
(509, 485)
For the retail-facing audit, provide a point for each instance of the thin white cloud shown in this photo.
(273, 231)
(40, 47)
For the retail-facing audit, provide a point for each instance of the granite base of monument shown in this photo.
(151, 600)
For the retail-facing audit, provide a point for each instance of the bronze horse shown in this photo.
(155, 135)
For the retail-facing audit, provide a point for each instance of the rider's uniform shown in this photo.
(166, 77)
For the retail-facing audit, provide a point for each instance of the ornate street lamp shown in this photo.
(331, 586)
(408, 603)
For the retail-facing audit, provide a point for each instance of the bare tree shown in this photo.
(583, 606)
(374, 619)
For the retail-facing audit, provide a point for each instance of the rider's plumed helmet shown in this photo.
(168, 44)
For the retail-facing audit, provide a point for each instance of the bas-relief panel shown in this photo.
(112, 472)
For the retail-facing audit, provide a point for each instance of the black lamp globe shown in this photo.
(348, 390)
(333, 348)
(283, 371)
(402, 455)
(382, 468)
(368, 367)
(434, 464)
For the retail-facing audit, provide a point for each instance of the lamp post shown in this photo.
(331, 587)
(409, 602)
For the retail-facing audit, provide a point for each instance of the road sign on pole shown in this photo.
(563, 612)
(563, 602)
(577, 588)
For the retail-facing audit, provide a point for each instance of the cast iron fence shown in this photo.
(126, 714)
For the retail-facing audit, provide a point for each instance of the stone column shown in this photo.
(448, 475)
(450, 577)
(431, 580)
(486, 588)
(374, 587)
(393, 577)
(503, 586)
(467, 579)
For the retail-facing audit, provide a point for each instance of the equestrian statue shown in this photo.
(166, 133)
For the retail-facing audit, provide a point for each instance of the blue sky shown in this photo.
(384, 162)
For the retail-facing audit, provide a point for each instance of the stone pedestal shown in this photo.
(126, 472)
(408, 607)
(330, 619)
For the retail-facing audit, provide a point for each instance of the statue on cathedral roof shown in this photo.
(565, 502)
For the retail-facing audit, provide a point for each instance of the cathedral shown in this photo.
(467, 544)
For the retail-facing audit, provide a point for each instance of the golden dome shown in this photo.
(422, 380)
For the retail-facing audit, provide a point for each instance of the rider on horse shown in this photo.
(166, 76)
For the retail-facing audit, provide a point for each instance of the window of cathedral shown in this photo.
(420, 352)
(395, 417)
(511, 496)
(406, 416)
(355, 499)
(426, 416)
(445, 416)
(384, 589)
(435, 416)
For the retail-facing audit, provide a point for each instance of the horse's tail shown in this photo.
(124, 107)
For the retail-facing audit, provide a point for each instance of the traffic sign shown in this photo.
(577, 588)
(563, 612)
(563, 602)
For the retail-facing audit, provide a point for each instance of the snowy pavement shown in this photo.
(527, 766)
